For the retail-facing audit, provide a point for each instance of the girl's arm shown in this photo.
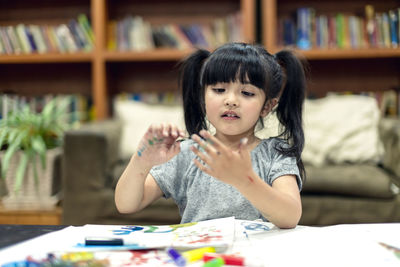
(136, 188)
(279, 203)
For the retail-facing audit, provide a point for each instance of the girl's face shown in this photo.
(234, 108)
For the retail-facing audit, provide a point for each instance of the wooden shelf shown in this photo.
(151, 55)
(337, 70)
(47, 58)
(316, 54)
(95, 65)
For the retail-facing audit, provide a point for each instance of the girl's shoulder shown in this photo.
(186, 144)
(273, 141)
(270, 145)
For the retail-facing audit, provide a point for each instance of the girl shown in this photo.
(230, 173)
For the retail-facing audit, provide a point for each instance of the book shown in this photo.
(17, 49)
(303, 28)
(112, 35)
(38, 39)
(86, 27)
(6, 41)
(2, 49)
(65, 36)
(31, 40)
(23, 38)
(394, 28)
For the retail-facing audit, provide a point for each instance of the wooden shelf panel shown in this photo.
(351, 53)
(31, 217)
(44, 12)
(46, 58)
(35, 78)
(152, 55)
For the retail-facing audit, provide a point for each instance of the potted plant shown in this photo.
(32, 140)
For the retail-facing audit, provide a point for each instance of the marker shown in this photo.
(231, 259)
(196, 254)
(217, 262)
(176, 257)
(103, 241)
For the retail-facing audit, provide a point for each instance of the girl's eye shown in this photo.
(246, 93)
(218, 90)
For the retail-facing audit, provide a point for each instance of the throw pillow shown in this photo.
(137, 117)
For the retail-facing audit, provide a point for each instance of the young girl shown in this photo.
(230, 173)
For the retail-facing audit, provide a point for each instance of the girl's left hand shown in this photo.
(229, 166)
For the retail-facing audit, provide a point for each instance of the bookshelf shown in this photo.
(337, 69)
(101, 73)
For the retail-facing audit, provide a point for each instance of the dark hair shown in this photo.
(280, 76)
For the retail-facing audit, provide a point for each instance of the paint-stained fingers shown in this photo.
(206, 159)
(206, 145)
(175, 132)
(202, 167)
(218, 145)
(166, 129)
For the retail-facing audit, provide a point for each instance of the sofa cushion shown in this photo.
(342, 128)
(137, 117)
(362, 180)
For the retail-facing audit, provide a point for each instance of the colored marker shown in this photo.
(196, 254)
(231, 259)
(176, 257)
(217, 262)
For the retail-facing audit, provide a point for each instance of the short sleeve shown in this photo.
(284, 165)
(170, 176)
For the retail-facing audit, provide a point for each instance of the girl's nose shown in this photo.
(231, 100)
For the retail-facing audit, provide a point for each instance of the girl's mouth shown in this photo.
(230, 115)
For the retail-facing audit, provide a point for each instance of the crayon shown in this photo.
(176, 257)
(217, 262)
(196, 254)
(231, 259)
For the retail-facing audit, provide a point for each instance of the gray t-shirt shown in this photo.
(200, 197)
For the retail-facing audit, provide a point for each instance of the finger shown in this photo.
(174, 131)
(202, 167)
(205, 145)
(166, 129)
(181, 132)
(201, 155)
(243, 144)
(155, 130)
(218, 145)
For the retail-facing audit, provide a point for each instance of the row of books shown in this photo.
(307, 30)
(136, 34)
(74, 36)
(81, 107)
(153, 98)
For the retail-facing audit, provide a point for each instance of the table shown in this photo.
(14, 233)
(339, 245)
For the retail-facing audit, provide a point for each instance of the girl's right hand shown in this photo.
(158, 144)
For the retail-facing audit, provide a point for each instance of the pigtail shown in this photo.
(192, 91)
(290, 108)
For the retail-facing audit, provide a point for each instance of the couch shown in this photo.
(334, 192)
(351, 158)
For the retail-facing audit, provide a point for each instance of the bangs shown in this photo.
(235, 65)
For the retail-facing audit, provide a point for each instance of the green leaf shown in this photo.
(35, 172)
(39, 146)
(19, 177)
(7, 156)
(48, 109)
(3, 135)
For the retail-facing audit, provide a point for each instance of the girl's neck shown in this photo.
(234, 141)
